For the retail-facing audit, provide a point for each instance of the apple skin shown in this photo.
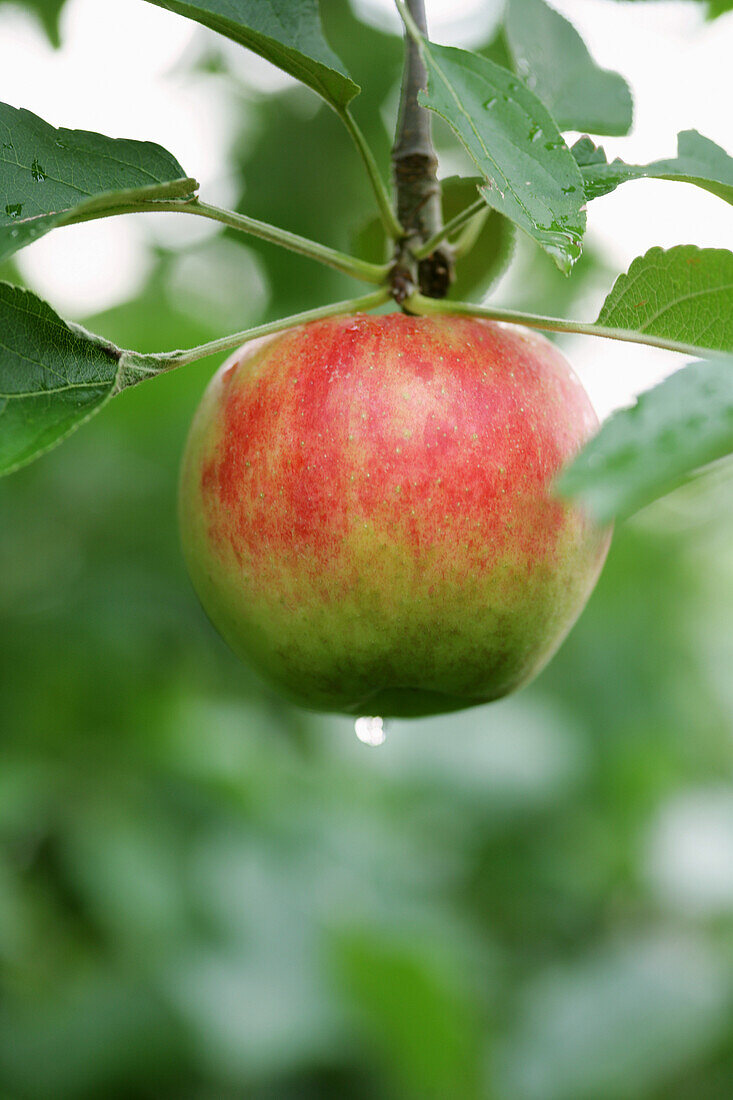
(366, 510)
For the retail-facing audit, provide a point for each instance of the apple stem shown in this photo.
(415, 167)
(471, 233)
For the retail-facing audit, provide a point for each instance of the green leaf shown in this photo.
(699, 160)
(553, 59)
(48, 11)
(529, 174)
(286, 32)
(53, 377)
(643, 452)
(683, 294)
(52, 177)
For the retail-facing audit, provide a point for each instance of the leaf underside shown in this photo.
(286, 32)
(551, 56)
(53, 376)
(641, 453)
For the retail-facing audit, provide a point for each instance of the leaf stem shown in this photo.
(391, 225)
(419, 304)
(449, 228)
(139, 366)
(471, 232)
(348, 265)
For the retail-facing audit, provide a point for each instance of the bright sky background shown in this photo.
(118, 72)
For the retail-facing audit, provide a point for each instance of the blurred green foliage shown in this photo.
(208, 895)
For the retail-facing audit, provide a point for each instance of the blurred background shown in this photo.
(208, 895)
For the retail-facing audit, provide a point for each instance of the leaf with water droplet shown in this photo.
(502, 142)
(80, 173)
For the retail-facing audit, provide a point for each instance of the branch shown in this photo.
(415, 165)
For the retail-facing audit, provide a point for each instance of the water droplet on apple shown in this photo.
(370, 731)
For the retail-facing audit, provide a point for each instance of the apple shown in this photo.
(367, 513)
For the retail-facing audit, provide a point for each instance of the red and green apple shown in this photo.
(367, 510)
